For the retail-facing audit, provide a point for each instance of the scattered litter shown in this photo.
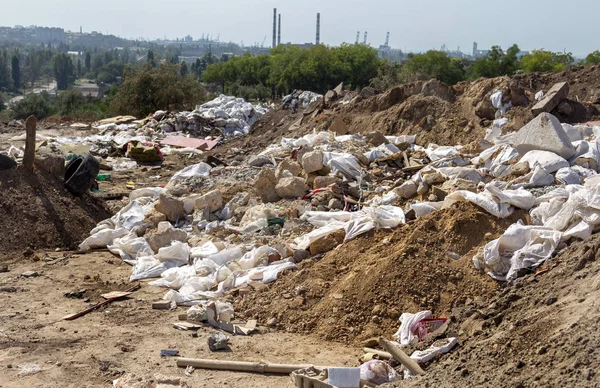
(28, 369)
(218, 341)
(169, 352)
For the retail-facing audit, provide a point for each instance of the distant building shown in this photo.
(50, 35)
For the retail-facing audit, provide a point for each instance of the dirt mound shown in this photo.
(37, 212)
(539, 332)
(360, 289)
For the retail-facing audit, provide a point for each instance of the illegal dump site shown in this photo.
(424, 235)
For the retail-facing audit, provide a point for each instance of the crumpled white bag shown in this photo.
(406, 334)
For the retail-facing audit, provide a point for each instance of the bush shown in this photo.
(148, 89)
(38, 105)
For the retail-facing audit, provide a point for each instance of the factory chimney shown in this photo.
(279, 32)
(318, 39)
(274, 27)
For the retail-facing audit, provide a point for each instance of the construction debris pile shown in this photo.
(364, 229)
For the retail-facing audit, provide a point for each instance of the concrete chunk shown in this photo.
(312, 161)
(265, 185)
(212, 199)
(544, 133)
(555, 95)
(292, 187)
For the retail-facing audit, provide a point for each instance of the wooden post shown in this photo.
(29, 157)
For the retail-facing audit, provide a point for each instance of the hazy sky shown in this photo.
(416, 25)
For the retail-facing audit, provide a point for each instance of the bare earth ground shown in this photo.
(124, 337)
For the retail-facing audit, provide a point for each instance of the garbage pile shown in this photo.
(339, 187)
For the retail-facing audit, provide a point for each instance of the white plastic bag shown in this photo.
(406, 334)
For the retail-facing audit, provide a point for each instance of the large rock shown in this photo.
(265, 185)
(259, 160)
(338, 126)
(544, 133)
(292, 187)
(406, 190)
(213, 200)
(165, 235)
(324, 181)
(312, 161)
(289, 165)
(376, 139)
(327, 243)
(555, 95)
(171, 207)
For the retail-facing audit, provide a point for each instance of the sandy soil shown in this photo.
(126, 336)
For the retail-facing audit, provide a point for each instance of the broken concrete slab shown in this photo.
(165, 235)
(555, 95)
(376, 139)
(259, 161)
(324, 181)
(544, 133)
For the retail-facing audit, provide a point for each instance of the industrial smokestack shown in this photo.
(279, 32)
(318, 39)
(274, 27)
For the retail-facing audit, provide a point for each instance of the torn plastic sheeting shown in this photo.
(467, 173)
(435, 152)
(192, 299)
(484, 200)
(407, 333)
(174, 277)
(151, 192)
(345, 164)
(130, 247)
(204, 251)
(521, 246)
(147, 267)
(397, 140)
(499, 158)
(439, 347)
(377, 372)
(549, 161)
(587, 155)
(450, 162)
(200, 169)
(257, 257)
(423, 208)
(568, 176)
(496, 99)
(225, 256)
(176, 252)
(265, 274)
(320, 219)
(102, 238)
(304, 242)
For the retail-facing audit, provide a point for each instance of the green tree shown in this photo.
(435, 64)
(5, 82)
(88, 62)
(97, 63)
(148, 89)
(63, 70)
(15, 67)
(70, 101)
(360, 63)
(388, 75)
(2, 105)
(593, 58)
(150, 58)
(33, 67)
(546, 61)
(38, 105)
(183, 69)
(78, 67)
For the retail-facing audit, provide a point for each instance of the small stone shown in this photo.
(336, 204)
(300, 255)
(312, 161)
(265, 185)
(550, 301)
(271, 322)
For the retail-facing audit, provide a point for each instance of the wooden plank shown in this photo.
(29, 156)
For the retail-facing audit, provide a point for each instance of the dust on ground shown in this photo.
(360, 289)
(124, 337)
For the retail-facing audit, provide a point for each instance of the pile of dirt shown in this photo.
(37, 212)
(542, 331)
(360, 289)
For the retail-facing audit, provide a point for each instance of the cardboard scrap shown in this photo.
(191, 142)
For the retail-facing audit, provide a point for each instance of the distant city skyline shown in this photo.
(413, 26)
